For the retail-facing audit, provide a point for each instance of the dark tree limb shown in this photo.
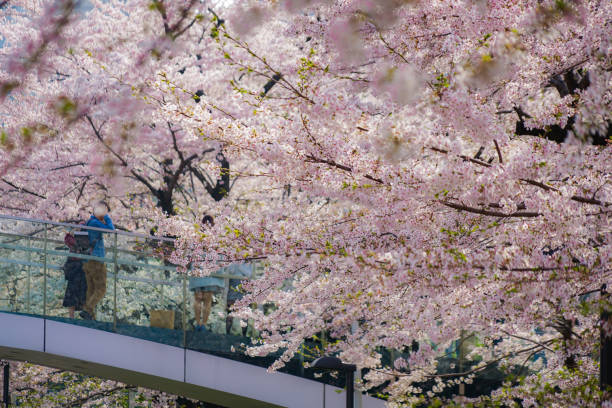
(67, 166)
(23, 190)
(222, 186)
(275, 78)
(482, 211)
(96, 395)
(464, 157)
(499, 154)
(567, 82)
(539, 184)
(332, 163)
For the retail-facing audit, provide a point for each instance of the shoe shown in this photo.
(201, 328)
(85, 315)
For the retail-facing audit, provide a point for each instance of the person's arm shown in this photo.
(107, 224)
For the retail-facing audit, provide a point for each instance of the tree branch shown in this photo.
(123, 162)
(499, 155)
(482, 211)
(529, 181)
(23, 190)
(79, 402)
(332, 163)
(172, 132)
(267, 65)
(101, 139)
(528, 339)
(68, 166)
(470, 159)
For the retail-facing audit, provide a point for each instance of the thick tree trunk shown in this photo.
(165, 202)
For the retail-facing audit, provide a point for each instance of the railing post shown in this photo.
(184, 310)
(358, 403)
(131, 398)
(301, 357)
(605, 348)
(162, 295)
(350, 388)
(224, 294)
(115, 270)
(45, 272)
(461, 358)
(29, 280)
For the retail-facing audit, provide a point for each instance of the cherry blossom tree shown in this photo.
(37, 386)
(408, 170)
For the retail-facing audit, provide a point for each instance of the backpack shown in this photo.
(82, 244)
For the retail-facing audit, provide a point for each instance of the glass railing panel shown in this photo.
(21, 277)
(39, 247)
(230, 338)
(149, 300)
(66, 280)
(12, 275)
(56, 257)
(16, 283)
(213, 338)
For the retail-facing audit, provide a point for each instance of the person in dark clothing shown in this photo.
(76, 288)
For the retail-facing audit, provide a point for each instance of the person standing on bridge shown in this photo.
(76, 287)
(95, 271)
(236, 293)
(204, 288)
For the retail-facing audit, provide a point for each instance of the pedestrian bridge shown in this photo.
(123, 344)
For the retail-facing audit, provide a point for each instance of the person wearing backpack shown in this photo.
(76, 284)
(95, 271)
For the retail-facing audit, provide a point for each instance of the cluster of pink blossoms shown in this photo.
(406, 170)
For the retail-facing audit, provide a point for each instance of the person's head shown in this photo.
(100, 209)
(208, 221)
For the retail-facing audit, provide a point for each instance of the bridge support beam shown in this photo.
(131, 377)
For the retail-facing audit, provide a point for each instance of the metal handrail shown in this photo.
(60, 242)
(101, 259)
(83, 226)
(45, 257)
(120, 277)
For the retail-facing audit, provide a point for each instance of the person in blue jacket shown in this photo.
(95, 271)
